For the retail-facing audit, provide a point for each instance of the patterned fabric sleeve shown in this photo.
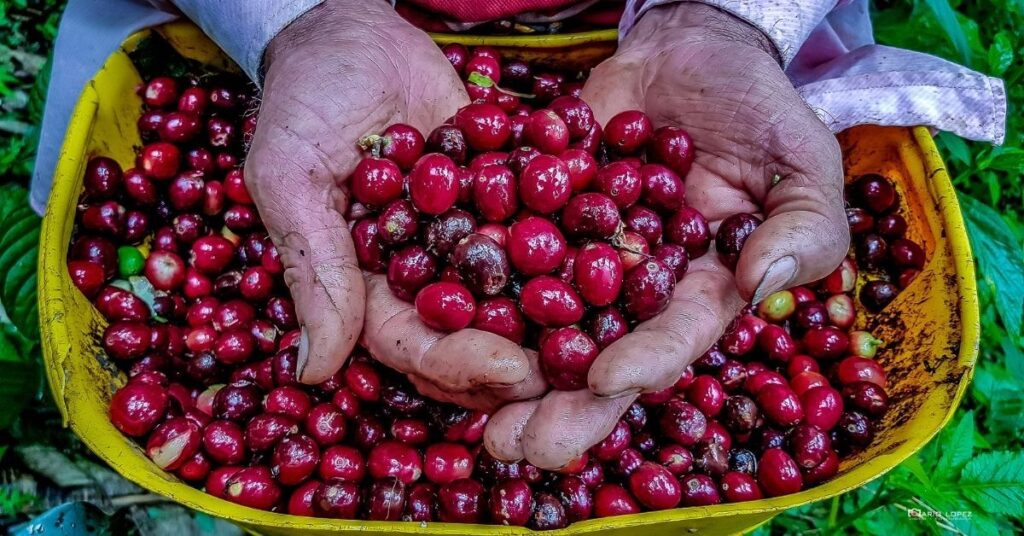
(787, 23)
(244, 28)
(829, 52)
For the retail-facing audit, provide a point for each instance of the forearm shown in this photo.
(244, 28)
(684, 22)
(839, 71)
(785, 23)
(334, 22)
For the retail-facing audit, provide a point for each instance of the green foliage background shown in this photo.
(970, 480)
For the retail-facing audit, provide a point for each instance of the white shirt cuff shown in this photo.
(244, 28)
(787, 23)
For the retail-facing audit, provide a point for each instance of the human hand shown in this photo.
(341, 71)
(759, 149)
(334, 76)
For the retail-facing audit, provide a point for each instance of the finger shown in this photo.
(466, 359)
(477, 399)
(488, 399)
(473, 358)
(316, 250)
(805, 234)
(532, 387)
(506, 424)
(503, 436)
(567, 423)
(608, 94)
(655, 354)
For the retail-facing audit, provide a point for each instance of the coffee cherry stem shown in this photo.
(519, 94)
(620, 241)
(375, 143)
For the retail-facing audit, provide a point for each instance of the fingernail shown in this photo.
(776, 277)
(303, 357)
(500, 385)
(628, 392)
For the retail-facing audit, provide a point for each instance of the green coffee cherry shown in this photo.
(130, 261)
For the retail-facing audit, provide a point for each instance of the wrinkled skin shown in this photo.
(338, 74)
(760, 149)
(335, 75)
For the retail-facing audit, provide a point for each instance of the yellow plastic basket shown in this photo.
(931, 330)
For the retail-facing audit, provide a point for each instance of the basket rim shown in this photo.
(57, 334)
(529, 41)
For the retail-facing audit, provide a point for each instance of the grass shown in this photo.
(970, 480)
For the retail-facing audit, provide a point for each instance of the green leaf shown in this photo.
(979, 524)
(141, 287)
(888, 520)
(1000, 258)
(994, 481)
(913, 465)
(1000, 54)
(19, 248)
(37, 97)
(1014, 358)
(481, 80)
(1008, 159)
(12, 198)
(1001, 393)
(981, 386)
(19, 381)
(995, 189)
(982, 442)
(956, 148)
(8, 350)
(958, 446)
(11, 219)
(16, 245)
(1005, 411)
(19, 281)
(14, 501)
(951, 25)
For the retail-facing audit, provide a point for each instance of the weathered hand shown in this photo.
(343, 70)
(337, 74)
(759, 149)
(472, 368)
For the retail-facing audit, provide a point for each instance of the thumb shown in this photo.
(805, 234)
(608, 92)
(301, 209)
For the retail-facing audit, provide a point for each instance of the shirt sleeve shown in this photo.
(830, 55)
(787, 23)
(90, 31)
(849, 80)
(244, 28)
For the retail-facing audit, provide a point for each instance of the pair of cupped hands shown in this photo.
(343, 71)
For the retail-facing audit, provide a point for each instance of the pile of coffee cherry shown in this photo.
(521, 216)
(880, 242)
